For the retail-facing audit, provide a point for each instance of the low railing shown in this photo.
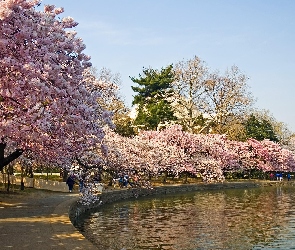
(35, 183)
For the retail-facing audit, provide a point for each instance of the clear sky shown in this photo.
(258, 36)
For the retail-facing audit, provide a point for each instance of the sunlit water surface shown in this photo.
(261, 218)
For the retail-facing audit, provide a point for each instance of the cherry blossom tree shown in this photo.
(271, 156)
(176, 151)
(46, 109)
(154, 152)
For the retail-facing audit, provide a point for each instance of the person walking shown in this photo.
(271, 176)
(281, 176)
(81, 184)
(70, 182)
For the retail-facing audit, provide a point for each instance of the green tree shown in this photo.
(260, 129)
(153, 99)
(280, 129)
(124, 124)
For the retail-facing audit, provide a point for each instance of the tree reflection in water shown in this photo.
(260, 218)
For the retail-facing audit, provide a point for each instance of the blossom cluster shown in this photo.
(176, 151)
(45, 104)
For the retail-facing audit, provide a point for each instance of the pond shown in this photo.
(257, 218)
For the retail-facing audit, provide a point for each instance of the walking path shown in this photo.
(40, 222)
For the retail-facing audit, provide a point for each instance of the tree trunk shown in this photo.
(8, 182)
(22, 184)
(31, 174)
(185, 178)
(165, 177)
(65, 175)
(4, 161)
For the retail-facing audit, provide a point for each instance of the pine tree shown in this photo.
(153, 100)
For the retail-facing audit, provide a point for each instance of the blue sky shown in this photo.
(257, 36)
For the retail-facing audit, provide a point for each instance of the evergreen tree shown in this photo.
(260, 129)
(153, 99)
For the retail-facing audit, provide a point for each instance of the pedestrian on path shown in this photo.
(70, 182)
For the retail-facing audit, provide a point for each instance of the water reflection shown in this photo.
(262, 218)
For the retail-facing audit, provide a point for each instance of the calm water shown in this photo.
(262, 218)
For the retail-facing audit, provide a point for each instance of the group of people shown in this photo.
(80, 179)
(279, 176)
(123, 180)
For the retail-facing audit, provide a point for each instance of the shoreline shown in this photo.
(78, 210)
(247, 189)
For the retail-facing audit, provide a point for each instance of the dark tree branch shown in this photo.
(6, 160)
(86, 166)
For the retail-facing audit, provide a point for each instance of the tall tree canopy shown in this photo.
(190, 103)
(260, 129)
(210, 102)
(279, 129)
(228, 98)
(46, 109)
(152, 99)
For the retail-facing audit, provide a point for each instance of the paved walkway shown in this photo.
(40, 222)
